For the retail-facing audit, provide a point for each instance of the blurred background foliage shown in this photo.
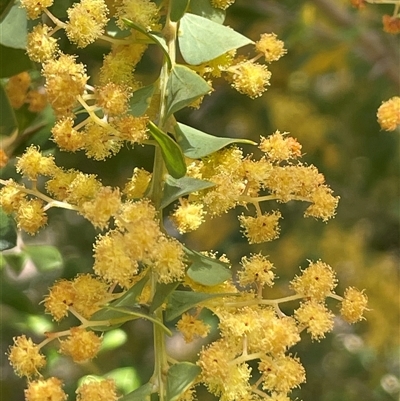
(340, 66)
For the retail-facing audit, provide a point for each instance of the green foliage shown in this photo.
(196, 34)
(8, 234)
(179, 378)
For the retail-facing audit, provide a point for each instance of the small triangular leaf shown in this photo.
(162, 292)
(140, 100)
(172, 153)
(183, 88)
(207, 271)
(179, 378)
(197, 144)
(175, 188)
(197, 33)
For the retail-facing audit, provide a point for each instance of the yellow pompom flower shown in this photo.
(250, 78)
(40, 45)
(37, 100)
(61, 296)
(66, 137)
(25, 357)
(91, 293)
(34, 8)
(271, 47)
(137, 184)
(100, 142)
(282, 373)
(142, 12)
(389, 114)
(30, 215)
(103, 390)
(353, 305)
(317, 281)
(65, 80)
(82, 188)
(132, 129)
(279, 147)
(86, 23)
(188, 216)
(11, 196)
(256, 269)
(81, 345)
(102, 207)
(112, 263)
(50, 389)
(113, 98)
(323, 205)
(32, 164)
(316, 318)
(261, 228)
(167, 260)
(192, 327)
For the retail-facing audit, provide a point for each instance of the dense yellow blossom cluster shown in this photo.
(134, 253)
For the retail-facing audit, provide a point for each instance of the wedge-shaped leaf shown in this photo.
(8, 232)
(172, 153)
(184, 86)
(140, 100)
(16, 261)
(13, 61)
(205, 270)
(181, 301)
(14, 29)
(179, 378)
(142, 393)
(197, 144)
(162, 292)
(44, 257)
(8, 124)
(204, 8)
(175, 188)
(201, 39)
(178, 8)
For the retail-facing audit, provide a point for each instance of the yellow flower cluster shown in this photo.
(85, 294)
(104, 390)
(389, 114)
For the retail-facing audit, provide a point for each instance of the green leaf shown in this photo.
(175, 188)
(15, 298)
(207, 271)
(181, 301)
(204, 8)
(184, 86)
(196, 35)
(13, 61)
(16, 261)
(113, 30)
(113, 339)
(5, 7)
(140, 100)
(14, 29)
(141, 394)
(179, 378)
(8, 232)
(162, 292)
(44, 257)
(126, 378)
(172, 153)
(155, 38)
(178, 9)
(197, 144)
